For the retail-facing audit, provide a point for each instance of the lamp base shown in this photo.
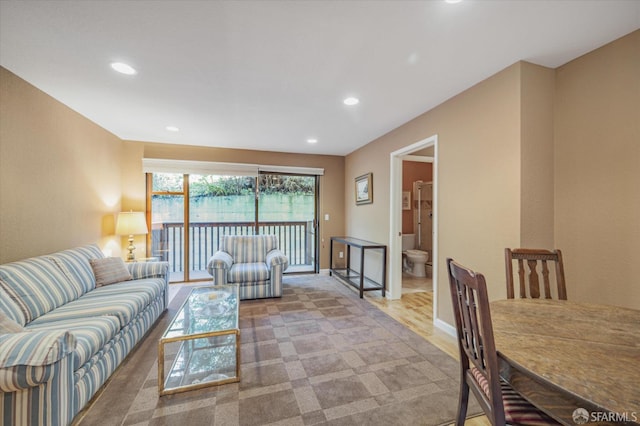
(131, 257)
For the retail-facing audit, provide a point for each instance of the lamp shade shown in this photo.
(131, 223)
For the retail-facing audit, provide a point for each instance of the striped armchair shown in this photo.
(252, 261)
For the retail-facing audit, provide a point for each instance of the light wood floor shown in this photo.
(415, 310)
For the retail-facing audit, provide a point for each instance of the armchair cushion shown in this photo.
(248, 273)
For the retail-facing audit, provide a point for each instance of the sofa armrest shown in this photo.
(276, 257)
(28, 359)
(139, 270)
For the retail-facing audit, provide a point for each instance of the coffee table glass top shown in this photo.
(206, 310)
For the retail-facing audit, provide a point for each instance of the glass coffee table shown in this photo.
(202, 342)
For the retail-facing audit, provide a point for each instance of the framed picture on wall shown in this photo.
(364, 189)
(406, 200)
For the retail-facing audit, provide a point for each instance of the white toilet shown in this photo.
(413, 261)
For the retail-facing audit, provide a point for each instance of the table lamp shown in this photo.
(131, 223)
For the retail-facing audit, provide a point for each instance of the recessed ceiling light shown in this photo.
(351, 101)
(312, 140)
(123, 68)
(172, 128)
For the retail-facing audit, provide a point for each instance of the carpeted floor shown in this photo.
(317, 356)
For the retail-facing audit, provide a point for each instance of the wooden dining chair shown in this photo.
(536, 261)
(478, 357)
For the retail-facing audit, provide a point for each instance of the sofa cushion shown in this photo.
(248, 248)
(92, 334)
(122, 300)
(109, 270)
(248, 272)
(11, 310)
(36, 286)
(152, 287)
(75, 264)
(7, 325)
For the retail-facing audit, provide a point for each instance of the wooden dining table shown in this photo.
(563, 355)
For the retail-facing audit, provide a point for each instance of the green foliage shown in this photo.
(169, 182)
(207, 186)
(301, 185)
(218, 186)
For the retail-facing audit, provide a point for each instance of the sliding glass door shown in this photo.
(190, 213)
(287, 208)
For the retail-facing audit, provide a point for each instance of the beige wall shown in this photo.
(331, 184)
(59, 175)
(478, 179)
(597, 173)
(530, 157)
(536, 157)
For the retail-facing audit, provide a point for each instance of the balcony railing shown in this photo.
(295, 239)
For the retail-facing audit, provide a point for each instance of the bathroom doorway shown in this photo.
(395, 224)
(417, 221)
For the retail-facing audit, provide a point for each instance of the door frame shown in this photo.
(395, 217)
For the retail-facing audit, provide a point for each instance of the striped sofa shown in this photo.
(252, 261)
(69, 335)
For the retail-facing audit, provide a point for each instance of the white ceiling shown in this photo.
(268, 75)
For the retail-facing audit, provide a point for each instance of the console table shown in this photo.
(352, 276)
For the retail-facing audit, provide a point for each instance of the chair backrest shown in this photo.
(248, 248)
(475, 339)
(536, 261)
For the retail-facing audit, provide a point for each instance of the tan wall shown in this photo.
(478, 179)
(59, 175)
(536, 157)
(331, 184)
(530, 157)
(597, 173)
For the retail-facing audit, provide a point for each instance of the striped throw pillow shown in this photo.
(109, 270)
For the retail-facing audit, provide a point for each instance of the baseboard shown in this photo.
(447, 328)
